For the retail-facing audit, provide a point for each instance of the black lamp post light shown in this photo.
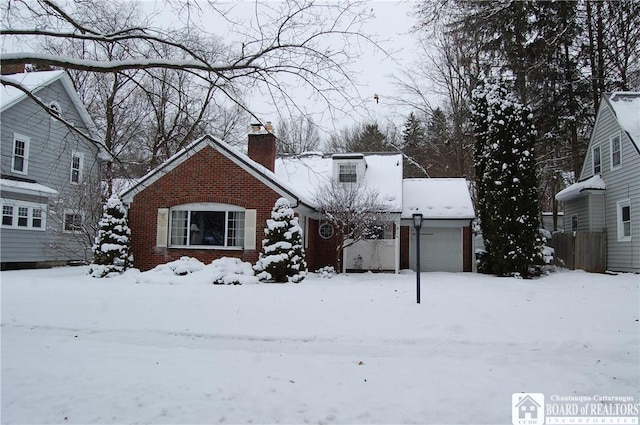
(417, 223)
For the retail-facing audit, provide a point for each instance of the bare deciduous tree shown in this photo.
(298, 135)
(355, 212)
(285, 45)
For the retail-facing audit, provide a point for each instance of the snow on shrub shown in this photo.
(326, 272)
(232, 271)
(181, 267)
(112, 247)
(282, 257)
(224, 271)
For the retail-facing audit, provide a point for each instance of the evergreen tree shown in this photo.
(507, 185)
(282, 257)
(413, 147)
(112, 248)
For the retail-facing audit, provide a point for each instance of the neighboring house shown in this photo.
(211, 200)
(49, 173)
(606, 197)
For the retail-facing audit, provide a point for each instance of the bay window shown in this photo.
(207, 225)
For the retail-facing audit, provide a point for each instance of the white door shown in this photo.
(440, 250)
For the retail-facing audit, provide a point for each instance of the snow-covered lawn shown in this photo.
(352, 349)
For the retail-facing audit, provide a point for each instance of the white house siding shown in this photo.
(49, 161)
(622, 183)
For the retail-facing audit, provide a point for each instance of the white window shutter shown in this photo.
(162, 228)
(249, 229)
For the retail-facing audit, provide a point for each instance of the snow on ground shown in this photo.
(351, 349)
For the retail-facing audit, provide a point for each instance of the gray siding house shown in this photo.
(50, 174)
(606, 197)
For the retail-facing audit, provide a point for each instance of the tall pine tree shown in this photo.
(506, 181)
(112, 248)
(282, 257)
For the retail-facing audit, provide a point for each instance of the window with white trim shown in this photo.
(207, 225)
(616, 151)
(73, 221)
(20, 159)
(77, 160)
(347, 173)
(624, 220)
(23, 215)
(596, 160)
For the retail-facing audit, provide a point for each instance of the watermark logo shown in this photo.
(527, 409)
(531, 409)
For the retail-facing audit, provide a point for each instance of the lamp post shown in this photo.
(417, 223)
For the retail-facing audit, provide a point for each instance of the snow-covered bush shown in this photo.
(232, 271)
(326, 272)
(180, 267)
(112, 248)
(188, 270)
(282, 257)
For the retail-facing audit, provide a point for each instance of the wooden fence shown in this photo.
(582, 250)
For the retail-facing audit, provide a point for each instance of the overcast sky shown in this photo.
(391, 25)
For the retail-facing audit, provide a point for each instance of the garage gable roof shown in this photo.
(437, 198)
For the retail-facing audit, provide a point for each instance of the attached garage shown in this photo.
(440, 250)
(445, 236)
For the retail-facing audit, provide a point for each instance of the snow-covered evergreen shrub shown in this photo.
(232, 271)
(326, 272)
(282, 257)
(181, 267)
(112, 248)
(507, 184)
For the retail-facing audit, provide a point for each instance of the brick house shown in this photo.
(210, 201)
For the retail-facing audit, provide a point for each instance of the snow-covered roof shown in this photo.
(626, 106)
(307, 172)
(28, 188)
(260, 171)
(437, 198)
(32, 81)
(573, 191)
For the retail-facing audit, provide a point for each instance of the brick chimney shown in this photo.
(262, 145)
(16, 68)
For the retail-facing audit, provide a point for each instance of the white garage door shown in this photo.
(440, 250)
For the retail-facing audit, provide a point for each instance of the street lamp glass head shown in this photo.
(417, 220)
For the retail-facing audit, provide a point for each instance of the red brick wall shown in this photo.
(262, 149)
(208, 176)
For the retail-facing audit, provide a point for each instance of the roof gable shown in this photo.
(36, 81)
(626, 109)
(256, 170)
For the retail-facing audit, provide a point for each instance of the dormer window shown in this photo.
(348, 167)
(348, 173)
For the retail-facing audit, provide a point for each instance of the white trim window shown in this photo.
(616, 151)
(23, 215)
(624, 220)
(72, 222)
(207, 225)
(347, 173)
(77, 162)
(20, 158)
(596, 160)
